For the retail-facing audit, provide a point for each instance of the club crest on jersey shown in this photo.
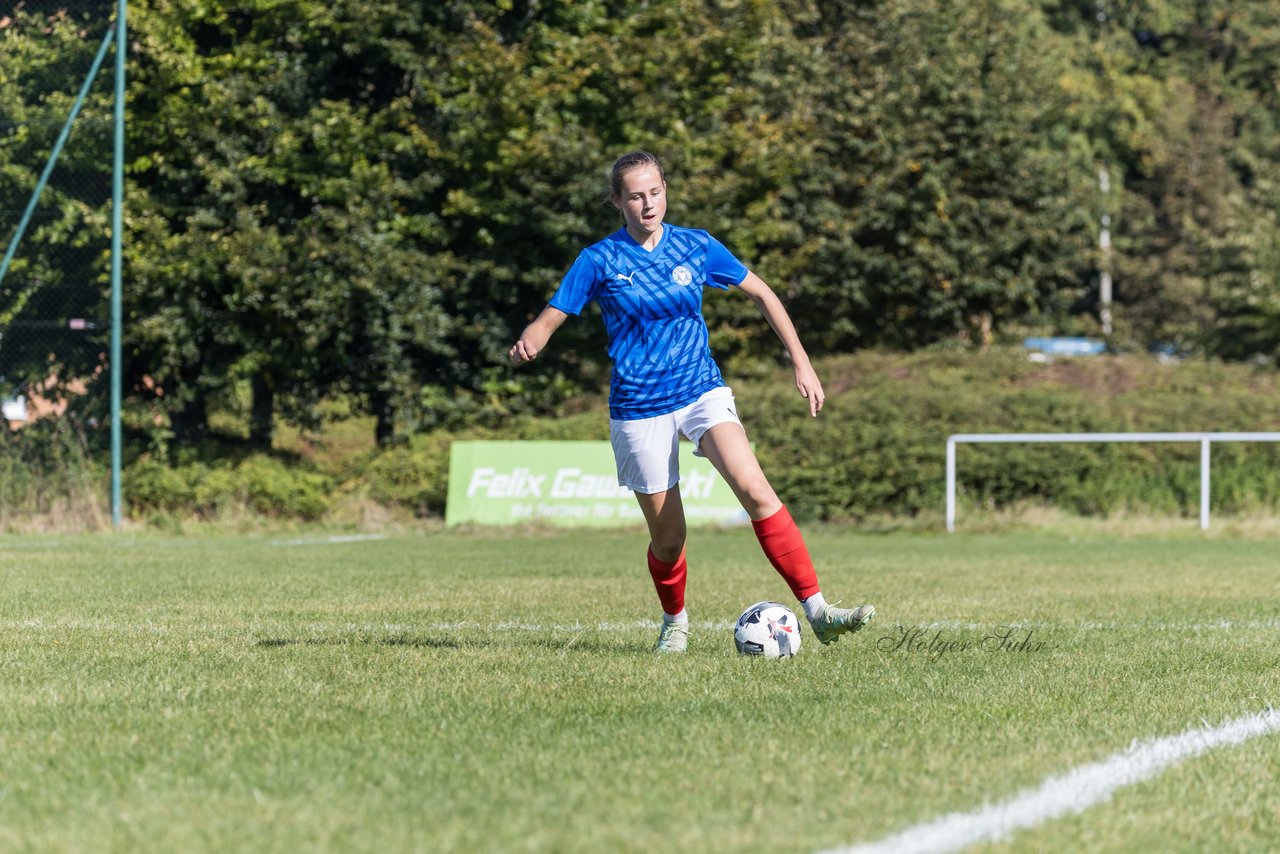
(682, 275)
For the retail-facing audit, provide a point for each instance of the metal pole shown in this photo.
(117, 204)
(1204, 484)
(1104, 233)
(1104, 244)
(1205, 440)
(951, 485)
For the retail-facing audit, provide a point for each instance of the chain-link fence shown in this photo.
(53, 296)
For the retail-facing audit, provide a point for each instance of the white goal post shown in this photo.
(1205, 439)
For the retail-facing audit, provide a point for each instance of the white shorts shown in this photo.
(647, 450)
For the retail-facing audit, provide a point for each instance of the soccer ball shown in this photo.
(768, 629)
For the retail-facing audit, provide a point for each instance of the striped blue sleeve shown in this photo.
(579, 286)
(723, 269)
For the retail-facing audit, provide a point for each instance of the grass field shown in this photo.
(484, 691)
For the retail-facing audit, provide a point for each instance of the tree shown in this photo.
(52, 331)
(371, 199)
(946, 192)
(1178, 98)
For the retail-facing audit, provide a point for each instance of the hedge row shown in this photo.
(879, 446)
(877, 449)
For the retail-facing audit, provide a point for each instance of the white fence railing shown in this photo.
(1205, 439)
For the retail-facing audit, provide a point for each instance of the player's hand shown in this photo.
(522, 351)
(810, 388)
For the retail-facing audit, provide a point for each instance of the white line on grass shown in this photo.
(18, 545)
(325, 541)
(1112, 625)
(879, 629)
(1070, 793)
(882, 627)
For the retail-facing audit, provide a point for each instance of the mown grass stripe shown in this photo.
(877, 629)
(329, 541)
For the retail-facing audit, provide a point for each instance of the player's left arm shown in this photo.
(775, 312)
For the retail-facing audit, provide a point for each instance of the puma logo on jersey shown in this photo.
(627, 279)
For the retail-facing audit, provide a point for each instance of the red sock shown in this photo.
(784, 547)
(668, 579)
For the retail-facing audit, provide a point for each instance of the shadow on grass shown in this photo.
(426, 642)
(560, 645)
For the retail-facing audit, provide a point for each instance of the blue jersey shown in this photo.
(652, 307)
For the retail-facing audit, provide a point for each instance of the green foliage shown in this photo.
(258, 484)
(879, 446)
(877, 449)
(47, 467)
(59, 268)
(1179, 100)
(415, 477)
(371, 199)
(942, 192)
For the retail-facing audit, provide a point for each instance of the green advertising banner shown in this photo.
(569, 483)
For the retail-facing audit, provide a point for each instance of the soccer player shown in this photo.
(648, 278)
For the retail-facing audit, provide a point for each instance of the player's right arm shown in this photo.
(536, 335)
(578, 288)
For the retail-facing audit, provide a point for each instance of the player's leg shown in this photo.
(664, 514)
(725, 444)
(646, 451)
